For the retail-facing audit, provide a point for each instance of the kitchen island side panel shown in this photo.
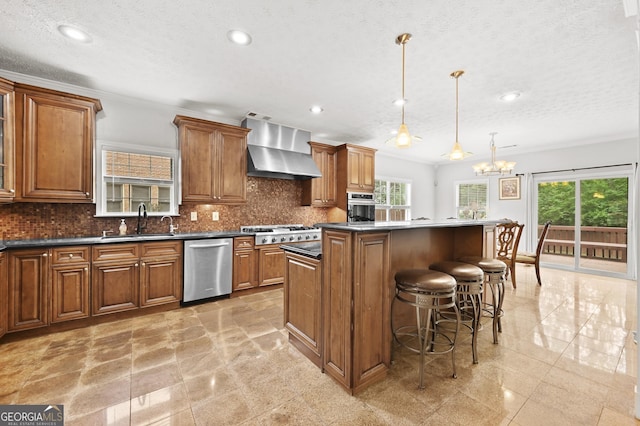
(337, 272)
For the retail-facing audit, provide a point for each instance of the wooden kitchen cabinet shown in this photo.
(321, 192)
(131, 276)
(244, 264)
(303, 305)
(214, 161)
(28, 290)
(4, 295)
(356, 168)
(271, 264)
(356, 292)
(160, 273)
(115, 278)
(54, 135)
(7, 152)
(70, 283)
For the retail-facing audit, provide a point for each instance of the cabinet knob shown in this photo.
(87, 194)
(136, 265)
(45, 254)
(86, 269)
(70, 255)
(13, 191)
(143, 264)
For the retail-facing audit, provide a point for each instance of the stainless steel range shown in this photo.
(280, 234)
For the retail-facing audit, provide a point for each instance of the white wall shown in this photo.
(421, 176)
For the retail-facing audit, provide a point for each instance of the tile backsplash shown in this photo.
(269, 201)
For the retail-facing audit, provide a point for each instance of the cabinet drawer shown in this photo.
(161, 249)
(69, 255)
(110, 252)
(243, 242)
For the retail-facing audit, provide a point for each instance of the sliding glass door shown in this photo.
(590, 221)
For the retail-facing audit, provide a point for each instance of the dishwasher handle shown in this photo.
(208, 245)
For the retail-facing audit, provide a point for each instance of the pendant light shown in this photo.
(496, 167)
(403, 138)
(457, 153)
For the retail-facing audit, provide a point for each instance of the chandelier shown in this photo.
(496, 167)
(457, 153)
(403, 138)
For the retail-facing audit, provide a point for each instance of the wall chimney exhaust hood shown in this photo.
(280, 152)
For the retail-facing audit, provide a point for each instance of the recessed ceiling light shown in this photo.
(400, 102)
(510, 96)
(239, 37)
(74, 33)
(316, 109)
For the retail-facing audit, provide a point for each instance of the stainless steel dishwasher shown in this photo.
(208, 268)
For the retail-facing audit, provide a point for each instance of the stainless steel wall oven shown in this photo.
(361, 207)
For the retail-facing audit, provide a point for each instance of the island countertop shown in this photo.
(406, 224)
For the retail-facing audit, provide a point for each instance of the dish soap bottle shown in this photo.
(123, 227)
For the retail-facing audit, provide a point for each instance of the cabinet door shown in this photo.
(244, 269)
(271, 265)
(231, 178)
(354, 170)
(56, 133)
(197, 154)
(321, 192)
(69, 292)
(160, 273)
(7, 153)
(303, 303)
(28, 289)
(4, 295)
(367, 170)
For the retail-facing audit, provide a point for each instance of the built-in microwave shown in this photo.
(361, 207)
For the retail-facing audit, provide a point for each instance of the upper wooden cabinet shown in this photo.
(7, 154)
(214, 161)
(55, 135)
(356, 168)
(321, 192)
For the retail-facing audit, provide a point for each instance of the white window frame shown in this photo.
(101, 191)
(471, 182)
(388, 207)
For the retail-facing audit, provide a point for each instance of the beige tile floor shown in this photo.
(566, 356)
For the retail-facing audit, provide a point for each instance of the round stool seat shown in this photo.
(459, 270)
(487, 264)
(424, 281)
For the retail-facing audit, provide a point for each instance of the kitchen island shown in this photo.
(359, 261)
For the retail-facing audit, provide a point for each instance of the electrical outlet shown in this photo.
(215, 216)
(194, 216)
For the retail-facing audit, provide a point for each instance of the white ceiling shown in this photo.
(575, 62)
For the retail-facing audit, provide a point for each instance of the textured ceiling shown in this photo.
(574, 61)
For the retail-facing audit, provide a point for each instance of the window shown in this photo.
(471, 200)
(393, 199)
(129, 177)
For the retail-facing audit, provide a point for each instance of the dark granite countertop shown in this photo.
(76, 241)
(312, 249)
(408, 224)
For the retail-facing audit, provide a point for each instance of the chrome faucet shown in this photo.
(142, 213)
(171, 227)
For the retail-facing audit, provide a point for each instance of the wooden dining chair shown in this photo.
(534, 258)
(508, 238)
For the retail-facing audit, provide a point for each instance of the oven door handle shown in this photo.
(208, 245)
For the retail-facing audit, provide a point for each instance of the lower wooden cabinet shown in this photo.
(244, 264)
(28, 290)
(160, 273)
(129, 276)
(270, 265)
(4, 294)
(303, 305)
(70, 283)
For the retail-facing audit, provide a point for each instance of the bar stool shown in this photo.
(494, 275)
(469, 280)
(430, 292)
